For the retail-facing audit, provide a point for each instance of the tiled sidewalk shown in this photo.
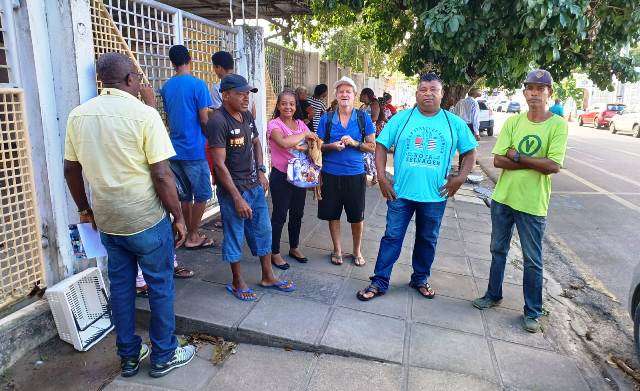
(421, 342)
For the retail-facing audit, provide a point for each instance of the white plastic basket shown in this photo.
(81, 309)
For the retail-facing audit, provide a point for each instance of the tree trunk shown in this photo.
(452, 94)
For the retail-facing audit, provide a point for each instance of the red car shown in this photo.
(600, 114)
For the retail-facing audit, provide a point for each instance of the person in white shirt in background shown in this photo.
(469, 110)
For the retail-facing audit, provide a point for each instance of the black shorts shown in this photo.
(340, 192)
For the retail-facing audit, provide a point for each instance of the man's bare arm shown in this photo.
(165, 185)
(75, 182)
(369, 144)
(541, 164)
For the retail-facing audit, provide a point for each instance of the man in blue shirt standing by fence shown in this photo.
(186, 102)
(425, 140)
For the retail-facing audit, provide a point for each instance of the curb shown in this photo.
(186, 326)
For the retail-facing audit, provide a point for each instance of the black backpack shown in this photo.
(329, 123)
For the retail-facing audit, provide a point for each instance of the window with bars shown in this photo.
(20, 238)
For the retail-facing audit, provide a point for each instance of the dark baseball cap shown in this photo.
(539, 76)
(236, 82)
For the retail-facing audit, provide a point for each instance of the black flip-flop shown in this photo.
(299, 259)
(370, 289)
(283, 266)
(432, 292)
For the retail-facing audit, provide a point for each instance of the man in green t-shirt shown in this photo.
(530, 148)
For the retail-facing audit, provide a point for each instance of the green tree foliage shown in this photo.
(499, 40)
(567, 88)
(349, 48)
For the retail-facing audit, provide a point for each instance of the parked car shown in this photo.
(634, 307)
(514, 107)
(627, 120)
(599, 115)
(501, 106)
(486, 118)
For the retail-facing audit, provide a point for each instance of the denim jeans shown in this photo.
(235, 229)
(530, 230)
(153, 250)
(399, 214)
(195, 179)
(286, 198)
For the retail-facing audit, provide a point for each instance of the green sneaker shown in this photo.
(531, 325)
(130, 366)
(483, 303)
(181, 357)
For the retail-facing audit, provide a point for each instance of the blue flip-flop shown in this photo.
(237, 293)
(281, 286)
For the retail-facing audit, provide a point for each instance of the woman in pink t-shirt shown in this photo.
(286, 137)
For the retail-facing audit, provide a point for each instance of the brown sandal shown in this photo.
(358, 261)
(430, 294)
(336, 259)
(370, 289)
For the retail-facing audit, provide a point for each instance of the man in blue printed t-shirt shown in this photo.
(347, 133)
(425, 140)
(186, 101)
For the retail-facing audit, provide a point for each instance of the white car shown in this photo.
(627, 120)
(486, 118)
(501, 105)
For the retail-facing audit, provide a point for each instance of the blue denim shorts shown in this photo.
(195, 178)
(257, 230)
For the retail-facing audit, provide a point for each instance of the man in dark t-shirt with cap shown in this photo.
(236, 152)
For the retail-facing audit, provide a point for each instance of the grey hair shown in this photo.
(114, 67)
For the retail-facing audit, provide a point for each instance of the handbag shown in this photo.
(369, 160)
(301, 172)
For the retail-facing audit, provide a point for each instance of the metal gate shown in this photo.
(286, 67)
(145, 30)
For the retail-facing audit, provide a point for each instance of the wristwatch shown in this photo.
(262, 168)
(85, 212)
(516, 157)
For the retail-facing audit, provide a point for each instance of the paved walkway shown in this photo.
(400, 341)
